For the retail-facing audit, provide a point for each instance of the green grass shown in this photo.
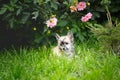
(38, 64)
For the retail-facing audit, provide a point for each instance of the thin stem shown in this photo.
(108, 14)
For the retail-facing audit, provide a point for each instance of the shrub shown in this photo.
(26, 20)
(108, 34)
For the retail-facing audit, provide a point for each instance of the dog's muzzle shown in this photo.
(63, 46)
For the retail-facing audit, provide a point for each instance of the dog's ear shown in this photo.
(70, 34)
(57, 36)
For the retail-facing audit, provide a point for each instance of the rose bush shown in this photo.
(31, 21)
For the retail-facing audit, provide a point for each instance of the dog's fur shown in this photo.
(65, 45)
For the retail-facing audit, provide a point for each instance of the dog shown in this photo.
(65, 45)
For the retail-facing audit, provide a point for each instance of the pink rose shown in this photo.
(89, 15)
(86, 17)
(81, 6)
(52, 22)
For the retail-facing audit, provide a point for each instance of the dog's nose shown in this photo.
(63, 48)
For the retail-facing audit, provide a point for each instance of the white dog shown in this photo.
(65, 45)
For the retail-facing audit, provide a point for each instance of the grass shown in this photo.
(38, 64)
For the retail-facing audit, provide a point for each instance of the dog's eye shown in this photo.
(66, 42)
(61, 43)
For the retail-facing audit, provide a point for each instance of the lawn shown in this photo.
(39, 64)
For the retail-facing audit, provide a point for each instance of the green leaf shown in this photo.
(38, 1)
(100, 9)
(80, 36)
(11, 9)
(25, 17)
(54, 5)
(74, 25)
(74, 30)
(11, 23)
(13, 1)
(62, 23)
(73, 2)
(97, 14)
(105, 2)
(35, 14)
(18, 12)
(115, 8)
(3, 10)
(46, 1)
(65, 2)
(38, 38)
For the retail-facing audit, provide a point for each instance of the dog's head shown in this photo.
(65, 43)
